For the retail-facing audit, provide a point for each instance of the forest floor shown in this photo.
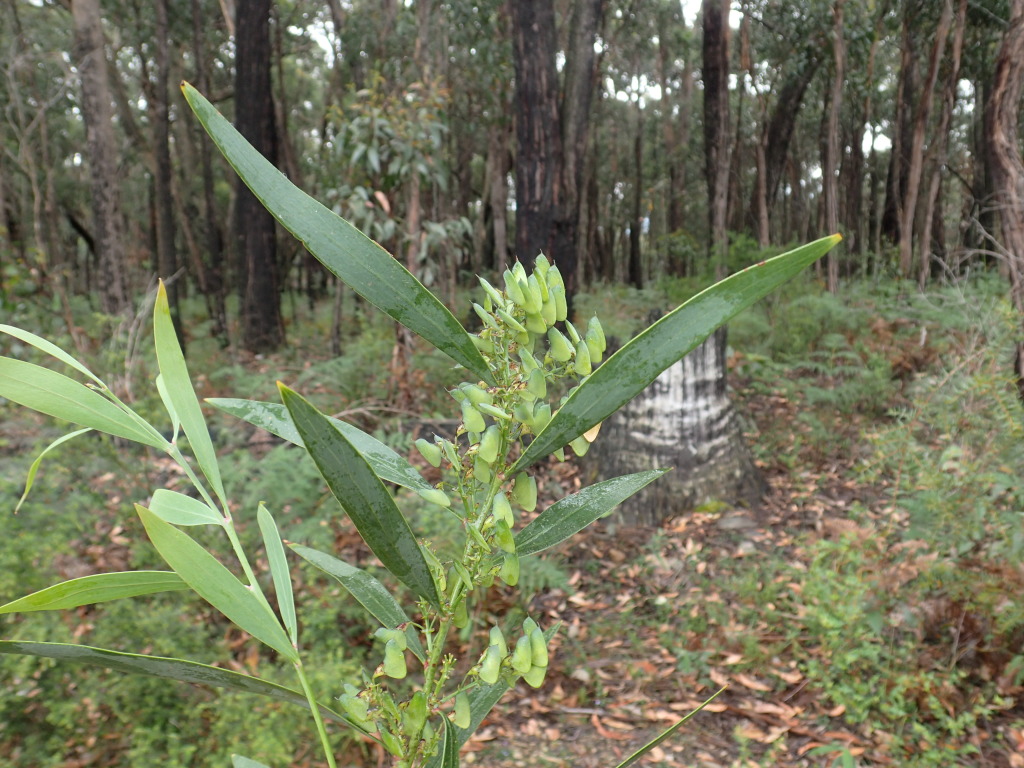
(640, 648)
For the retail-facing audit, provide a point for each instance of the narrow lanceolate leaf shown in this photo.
(179, 509)
(58, 396)
(34, 469)
(344, 250)
(630, 370)
(278, 570)
(447, 755)
(664, 734)
(216, 584)
(97, 588)
(483, 698)
(363, 496)
(367, 591)
(178, 386)
(274, 418)
(574, 513)
(49, 348)
(181, 670)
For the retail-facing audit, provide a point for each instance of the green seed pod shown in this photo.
(529, 625)
(558, 346)
(451, 453)
(484, 346)
(355, 707)
(549, 311)
(583, 365)
(435, 496)
(574, 335)
(391, 743)
(523, 412)
(554, 278)
(539, 288)
(486, 317)
(535, 677)
(489, 444)
(394, 660)
(496, 637)
(503, 510)
(511, 322)
(519, 271)
(492, 293)
(463, 574)
(561, 306)
(461, 616)
(472, 418)
(475, 393)
(482, 469)
(580, 446)
(415, 714)
(541, 416)
(531, 300)
(503, 537)
(463, 717)
(429, 451)
(458, 395)
(478, 537)
(524, 491)
(595, 331)
(537, 384)
(509, 572)
(490, 665)
(539, 647)
(535, 322)
(428, 731)
(541, 265)
(513, 290)
(596, 353)
(495, 411)
(528, 360)
(559, 454)
(522, 656)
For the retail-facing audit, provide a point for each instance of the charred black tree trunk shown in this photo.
(255, 235)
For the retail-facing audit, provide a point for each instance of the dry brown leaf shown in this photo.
(752, 683)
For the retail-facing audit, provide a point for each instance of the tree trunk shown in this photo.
(262, 327)
(938, 150)
(683, 420)
(915, 172)
(636, 276)
(1001, 118)
(830, 148)
(101, 144)
(715, 74)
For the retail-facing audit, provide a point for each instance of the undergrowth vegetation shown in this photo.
(890, 606)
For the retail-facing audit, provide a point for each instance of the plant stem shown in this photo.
(314, 707)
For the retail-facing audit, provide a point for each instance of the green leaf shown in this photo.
(279, 570)
(181, 670)
(370, 270)
(274, 418)
(362, 495)
(51, 349)
(58, 396)
(179, 509)
(447, 755)
(165, 398)
(237, 761)
(216, 584)
(629, 371)
(483, 698)
(182, 396)
(664, 734)
(367, 591)
(97, 588)
(572, 514)
(34, 469)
